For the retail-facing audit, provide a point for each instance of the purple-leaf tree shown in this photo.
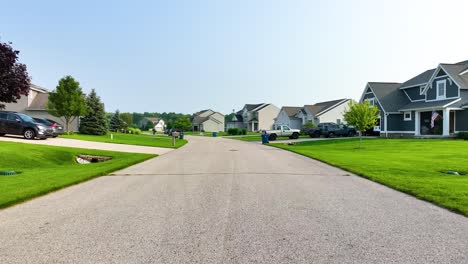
(14, 78)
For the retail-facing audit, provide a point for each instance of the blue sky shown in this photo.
(183, 56)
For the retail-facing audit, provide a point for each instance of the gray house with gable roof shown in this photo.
(408, 108)
(255, 117)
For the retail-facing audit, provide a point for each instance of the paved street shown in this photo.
(221, 201)
(73, 143)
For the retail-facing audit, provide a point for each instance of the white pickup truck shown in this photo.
(283, 131)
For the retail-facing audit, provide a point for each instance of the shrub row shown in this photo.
(463, 135)
(237, 131)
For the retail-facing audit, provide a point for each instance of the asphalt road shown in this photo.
(226, 201)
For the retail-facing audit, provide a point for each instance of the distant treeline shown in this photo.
(135, 118)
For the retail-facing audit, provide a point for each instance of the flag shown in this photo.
(433, 118)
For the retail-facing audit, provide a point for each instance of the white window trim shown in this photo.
(371, 101)
(440, 97)
(421, 89)
(404, 116)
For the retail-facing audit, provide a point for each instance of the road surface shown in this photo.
(226, 201)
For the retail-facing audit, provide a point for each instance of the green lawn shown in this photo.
(140, 140)
(45, 168)
(414, 166)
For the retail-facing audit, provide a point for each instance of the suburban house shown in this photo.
(208, 121)
(433, 103)
(34, 105)
(295, 117)
(255, 117)
(158, 123)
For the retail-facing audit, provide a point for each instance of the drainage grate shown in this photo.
(7, 173)
(233, 150)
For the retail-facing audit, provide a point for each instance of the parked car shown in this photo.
(56, 127)
(283, 131)
(332, 130)
(20, 124)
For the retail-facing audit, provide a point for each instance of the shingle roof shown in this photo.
(291, 111)
(389, 95)
(454, 70)
(251, 107)
(200, 119)
(424, 105)
(318, 108)
(420, 79)
(38, 88)
(154, 120)
(39, 102)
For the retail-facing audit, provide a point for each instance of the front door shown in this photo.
(452, 122)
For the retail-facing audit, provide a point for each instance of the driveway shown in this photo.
(226, 201)
(73, 143)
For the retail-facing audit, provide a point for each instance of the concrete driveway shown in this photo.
(73, 143)
(226, 201)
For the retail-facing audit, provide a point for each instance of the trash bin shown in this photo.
(181, 136)
(215, 134)
(265, 138)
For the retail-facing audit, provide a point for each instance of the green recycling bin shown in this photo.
(181, 136)
(215, 134)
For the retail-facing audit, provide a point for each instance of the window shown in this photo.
(371, 101)
(421, 89)
(407, 116)
(3, 115)
(12, 117)
(441, 86)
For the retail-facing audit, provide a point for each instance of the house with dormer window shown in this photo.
(433, 103)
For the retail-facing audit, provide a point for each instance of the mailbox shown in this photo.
(175, 134)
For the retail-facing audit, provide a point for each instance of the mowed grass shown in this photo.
(413, 166)
(43, 169)
(129, 139)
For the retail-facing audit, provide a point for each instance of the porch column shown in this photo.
(417, 123)
(253, 126)
(446, 122)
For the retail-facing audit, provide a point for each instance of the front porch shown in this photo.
(443, 124)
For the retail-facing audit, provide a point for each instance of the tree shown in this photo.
(127, 118)
(67, 100)
(116, 123)
(362, 116)
(94, 122)
(14, 78)
(149, 125)
(183, 123)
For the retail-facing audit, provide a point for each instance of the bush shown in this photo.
(462, 135)
(243, 131)
(234, 131)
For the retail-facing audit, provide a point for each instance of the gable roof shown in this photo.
(455, 72)
(198, 119)
(291, 111)
(251, 107)
(39, 102)
(428, 105)
(153, 120)
(37, 88)
(323, 107)
(420, 79)
(389, 96)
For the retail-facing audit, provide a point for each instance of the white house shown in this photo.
(255, 117)
(34, 104)
(158, 123)
(323, 112)
(208, 121)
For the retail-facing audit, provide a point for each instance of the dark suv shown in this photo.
(20, 124)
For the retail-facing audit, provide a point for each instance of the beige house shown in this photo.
(208, 121)
(34, 105)
(255, 117)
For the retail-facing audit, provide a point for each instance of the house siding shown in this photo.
(334, 114)
(395, 122)
(382, 114)
(284, 119)
(461, 120)
(266, 117)
(451, 89)
(413, 93)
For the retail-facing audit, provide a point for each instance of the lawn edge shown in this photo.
(55, 189)
(453, 210)
(183, 144)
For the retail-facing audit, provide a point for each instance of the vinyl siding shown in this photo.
(461, 120)
(266, 117)
(334, 114)
(382, 115)
(395, 122)
(451, 89)
(413, 93)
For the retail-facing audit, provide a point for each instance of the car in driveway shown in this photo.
(332, 130)
(14, 123)
(56, 127)
(283, 131)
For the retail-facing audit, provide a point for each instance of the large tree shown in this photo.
(67, 100)
(94, 122)
(14, 78)
(127, 118)
(183, 123)
(362, 116)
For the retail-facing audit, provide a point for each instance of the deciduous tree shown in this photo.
(362, 116)
(67, 100)
(183, 123)
(14, 78)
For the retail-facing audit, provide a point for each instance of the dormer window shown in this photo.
(441, 89)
